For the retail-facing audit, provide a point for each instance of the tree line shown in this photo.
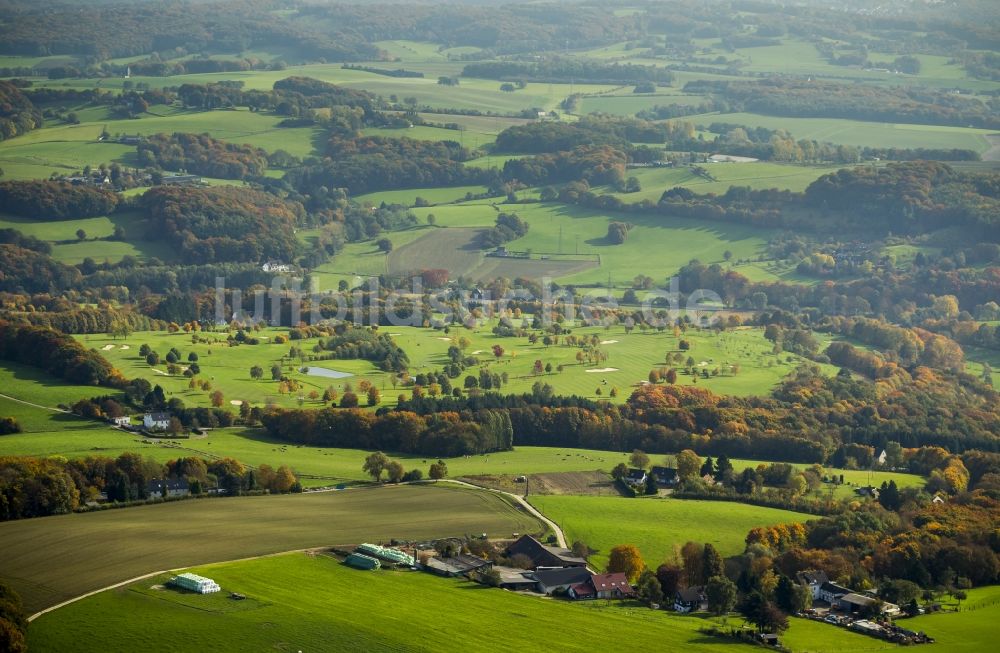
(38, 487)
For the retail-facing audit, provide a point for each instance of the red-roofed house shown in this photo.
(603, 586)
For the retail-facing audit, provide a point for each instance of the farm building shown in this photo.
(387, 554)
(194, 583)
(636, 477)
(170, 487)
(156, 421)
(603, 586)
(542, 555)
(459, 565)
(666, 476)
(361, 561)
(124, 421)
(830, 592)
(813, 580)
(515, 579)
(690, 599)
(550, 580)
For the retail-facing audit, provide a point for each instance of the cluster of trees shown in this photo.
(223, 224)
(13, 621)
(593, 164)
(28, 270)
(17, 113)
(509, 226)
(559, 69)
(350, 343)
(799, 98)
(201, 154)
(912, 197)
(55, 200)
(58, 354)
(371, 163)
(807, 419)
(37, 487)
(444, 434)
(378, 463)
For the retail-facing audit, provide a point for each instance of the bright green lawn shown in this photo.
(313, 603)
(656, 526)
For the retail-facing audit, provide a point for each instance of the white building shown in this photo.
(195, 583)
(275, 266)
(156, 421)
(125, 421)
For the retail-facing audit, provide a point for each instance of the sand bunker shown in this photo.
(603, 369)
(107, 347)
(236, 402)
(608, 342)
(124, 347)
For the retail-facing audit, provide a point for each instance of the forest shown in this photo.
(224, 224)
(203, 155)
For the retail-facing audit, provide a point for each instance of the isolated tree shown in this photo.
(276, 372)
(648, 588)
(349, 400)
(384, 245)
(619, 472)
(394, 471)
(721, 595)
(81, 234)
(639, 459)
(216, 398)
(375, 464)
(688, 464)
(256, 372)
(626, 559)
(438, 470)
(152, 359)
(374, 397)
(671, 376)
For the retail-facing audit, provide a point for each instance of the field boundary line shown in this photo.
(28, 403)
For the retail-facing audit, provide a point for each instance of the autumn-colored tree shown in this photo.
(626, 559)
(375, 464)
(688, 464)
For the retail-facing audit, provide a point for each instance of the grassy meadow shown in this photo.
(657, 526)
(52, 559)
(302, 602)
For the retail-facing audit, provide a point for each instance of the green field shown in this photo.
(974, 628)
(657, 526)
(758, 175)
(859, 133)
(65, 149)
(68, 248)
(313, 603)
(52, 559)
(657, 245)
